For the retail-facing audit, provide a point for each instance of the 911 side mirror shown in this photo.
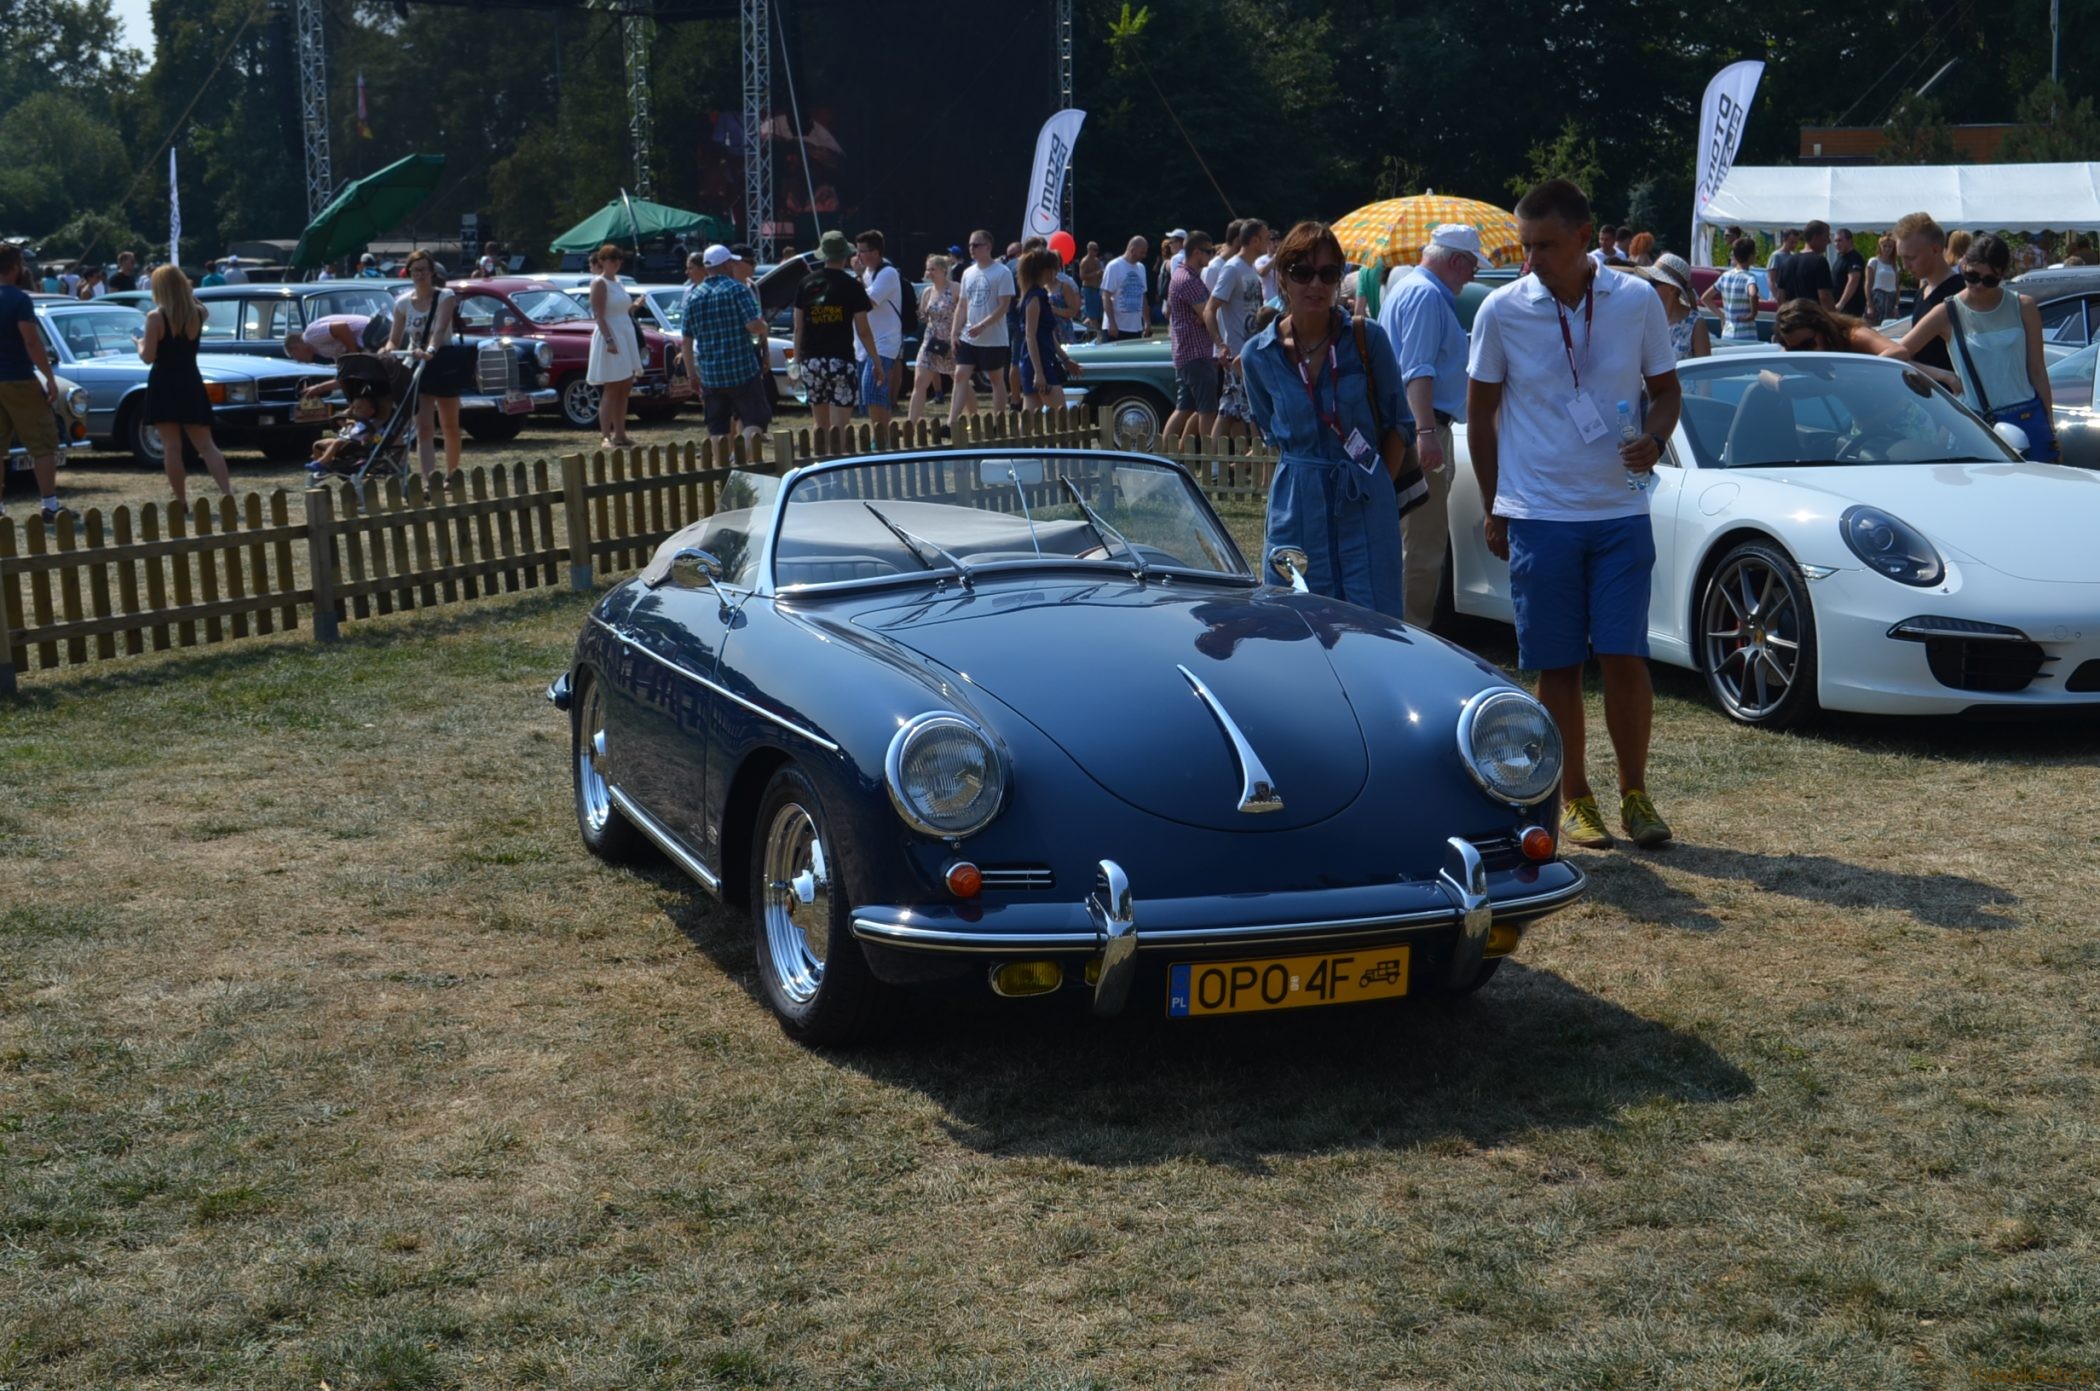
(1289, 563)
(695, 569)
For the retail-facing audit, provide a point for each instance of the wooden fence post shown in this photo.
(579, 520)
(783, 450)
(10, 610)
(1104, 435)
(320, 560)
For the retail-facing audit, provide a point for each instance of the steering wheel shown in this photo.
(1879, 441)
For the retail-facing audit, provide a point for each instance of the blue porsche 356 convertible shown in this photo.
(1029, 722)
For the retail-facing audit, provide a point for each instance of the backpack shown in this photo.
(907, 303)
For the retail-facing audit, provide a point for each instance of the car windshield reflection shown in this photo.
(1764, 409)
(548, 307)
(97, 333)
(954, 516)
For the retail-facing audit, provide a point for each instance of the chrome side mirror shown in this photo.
(693, 568)
(1289, 564)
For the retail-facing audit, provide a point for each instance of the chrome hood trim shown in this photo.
(1257, 789)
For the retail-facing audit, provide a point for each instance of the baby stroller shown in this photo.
(382, 452)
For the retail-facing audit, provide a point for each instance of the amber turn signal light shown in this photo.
(1537, 843)
(963, 879)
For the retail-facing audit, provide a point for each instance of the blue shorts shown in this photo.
(1578, 588)
(875, 383)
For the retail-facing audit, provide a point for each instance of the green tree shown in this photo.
(61, 157)
(2053, 127)
(1569, 155)
(1916, 133)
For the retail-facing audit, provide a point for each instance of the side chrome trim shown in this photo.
(1181, 939)
(665, 840)
(731, 696)
(1257, 790)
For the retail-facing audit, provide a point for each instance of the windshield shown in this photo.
(670, 307)
(373, 304)
(548, 307)
(1762, 409)
(968, 512)
(93, 333)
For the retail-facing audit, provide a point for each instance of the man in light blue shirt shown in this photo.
(1420, 317)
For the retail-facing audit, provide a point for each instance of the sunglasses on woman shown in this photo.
(1304, 273)
(1977, 277)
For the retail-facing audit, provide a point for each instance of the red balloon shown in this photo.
(1061, 242)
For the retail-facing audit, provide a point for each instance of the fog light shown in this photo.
(1537, 843)
(1017, 979)
(1093, 970)
(964, 881)
(1502, 939)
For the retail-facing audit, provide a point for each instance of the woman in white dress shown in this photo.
(615, 346)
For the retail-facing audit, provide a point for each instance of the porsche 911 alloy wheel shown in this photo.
(809, 965)
(1757, 637)
(606, 833)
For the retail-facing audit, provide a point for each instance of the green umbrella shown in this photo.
(366, 207)
(632, 220)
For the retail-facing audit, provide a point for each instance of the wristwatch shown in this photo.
(1662, 446)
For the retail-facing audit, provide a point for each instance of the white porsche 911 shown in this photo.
(1835, 530)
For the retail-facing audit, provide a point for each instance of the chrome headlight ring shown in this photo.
(77, 403)
(947, 777)
(1510, 746)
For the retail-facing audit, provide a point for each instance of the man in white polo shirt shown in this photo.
(1563, 479)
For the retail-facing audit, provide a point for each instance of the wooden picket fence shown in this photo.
(157, 577)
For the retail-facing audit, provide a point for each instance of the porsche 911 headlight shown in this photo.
(947, 778)
(1891, 547)
(1509, 744)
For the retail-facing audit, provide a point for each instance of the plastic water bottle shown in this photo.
(1630, 431)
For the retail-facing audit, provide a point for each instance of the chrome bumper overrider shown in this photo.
(1115, 932)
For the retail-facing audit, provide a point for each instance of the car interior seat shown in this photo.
(1763, 431)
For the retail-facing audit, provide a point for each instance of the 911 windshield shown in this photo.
(1762, 409)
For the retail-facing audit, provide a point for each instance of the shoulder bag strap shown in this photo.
(1961, 344)
(1363, 355)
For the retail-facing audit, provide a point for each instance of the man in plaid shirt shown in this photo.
(721, 320)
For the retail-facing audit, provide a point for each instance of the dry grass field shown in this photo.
(328, 1057)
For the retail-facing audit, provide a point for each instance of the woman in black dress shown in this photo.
(176, 405)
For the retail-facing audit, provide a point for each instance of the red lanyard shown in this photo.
(1312, 397)
(1567, 339)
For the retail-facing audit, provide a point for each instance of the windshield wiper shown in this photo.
(912, 544)
(1103, 530)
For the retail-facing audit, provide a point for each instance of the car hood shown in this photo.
(1129, 716)
(2031, 521)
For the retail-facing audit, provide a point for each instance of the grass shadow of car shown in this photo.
(1629, 884)
(1043, 1077)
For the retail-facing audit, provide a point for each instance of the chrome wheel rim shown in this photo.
(149, 440)
(1752, 627)
(797, 903)
(593, 792)
(1136, 424)
(581, 403)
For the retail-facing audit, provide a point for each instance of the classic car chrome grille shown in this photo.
(281, 390)
(1017, 877)
(495, 368)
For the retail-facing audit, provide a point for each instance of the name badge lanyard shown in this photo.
(1312, 395)
(1567, 339)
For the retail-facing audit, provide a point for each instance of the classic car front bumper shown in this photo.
(1118, 925)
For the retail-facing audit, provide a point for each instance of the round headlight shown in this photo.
(1509, 744)
(77, 402)
(946, 776)
(1891, 546)
(545, 353)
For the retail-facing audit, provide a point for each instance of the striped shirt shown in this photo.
(1738, 304)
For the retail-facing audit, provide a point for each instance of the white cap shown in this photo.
(1178, 234)
(717, 255)
(1459, 237)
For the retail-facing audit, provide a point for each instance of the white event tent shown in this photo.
(1980, 197)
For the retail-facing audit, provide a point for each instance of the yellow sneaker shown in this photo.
(1643, 825)
(1582, 824)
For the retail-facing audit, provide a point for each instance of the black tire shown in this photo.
(579, 403)
(1761, 667)
(606, 834)
(139, 437)
(1446, 596)
(1136, 415)
(800, 907)
(656, 412)
(492, 427)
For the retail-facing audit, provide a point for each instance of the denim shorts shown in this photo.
(875, 381)
(1578, 588)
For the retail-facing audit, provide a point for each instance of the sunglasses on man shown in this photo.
(1304, 273)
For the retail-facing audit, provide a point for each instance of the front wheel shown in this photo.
(1135, 416)
(809, 966)
(492, 427)
(1757, 637)
(606, 833)
(140, 438)
(579, 403)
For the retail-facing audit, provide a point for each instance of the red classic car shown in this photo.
(526, 308)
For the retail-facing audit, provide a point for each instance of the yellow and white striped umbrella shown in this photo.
(1392, 233)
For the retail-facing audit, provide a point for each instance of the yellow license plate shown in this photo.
(1290, 982)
